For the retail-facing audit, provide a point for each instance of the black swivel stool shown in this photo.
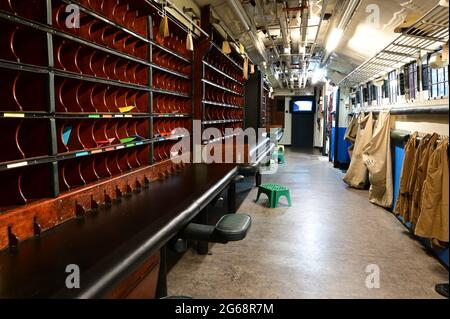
(231, 227)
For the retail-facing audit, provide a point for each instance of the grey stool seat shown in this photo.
(231, 227)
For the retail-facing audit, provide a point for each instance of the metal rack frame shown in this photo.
(426, 34)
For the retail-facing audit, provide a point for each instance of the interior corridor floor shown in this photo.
(318, 248)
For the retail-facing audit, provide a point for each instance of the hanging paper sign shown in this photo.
(241, 48)
(189, 42)
(164, 27)
(67, 130)
(245, 68)
(127, 140)
(226, 49)
(126, 109)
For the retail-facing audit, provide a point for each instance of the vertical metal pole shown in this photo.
(161, 287)
(336, 130)
(150, 84)
(193, 57)
(232, 198)
(258, 178)
(325, 124)
(51, 101)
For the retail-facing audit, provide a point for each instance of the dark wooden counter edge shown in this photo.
(104, 276)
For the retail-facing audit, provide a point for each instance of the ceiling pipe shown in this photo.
(237, 8)
(304, 26)
(324, 8)
(286, 37)
(261, 14)
(283, 27)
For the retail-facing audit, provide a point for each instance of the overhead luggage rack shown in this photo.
(427, 34)
(438, 109)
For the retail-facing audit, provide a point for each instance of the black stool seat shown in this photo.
(231, 227)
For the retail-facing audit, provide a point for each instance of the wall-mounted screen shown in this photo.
(303, 105)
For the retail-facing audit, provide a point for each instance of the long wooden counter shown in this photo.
(113, 243)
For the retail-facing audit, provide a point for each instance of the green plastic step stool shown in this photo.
(281, 158)
(274, 192)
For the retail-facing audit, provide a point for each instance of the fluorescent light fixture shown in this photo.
(333, 39)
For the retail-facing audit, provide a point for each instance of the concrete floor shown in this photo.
(318, 248)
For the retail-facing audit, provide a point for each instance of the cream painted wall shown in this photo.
(189, 4)
(422, 123)
(180, 4)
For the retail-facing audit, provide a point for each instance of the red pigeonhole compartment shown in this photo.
(24, 185)
(15, 141)
(22, 91)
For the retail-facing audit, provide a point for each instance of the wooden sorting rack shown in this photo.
(219, 86)
(63, 92)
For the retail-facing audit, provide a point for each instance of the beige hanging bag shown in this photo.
(350, 134)
(356, 175)
(377, 157)
(421, 173)
(433, 220)
(404, 197)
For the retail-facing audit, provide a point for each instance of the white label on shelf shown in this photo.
(15, 165)
(14, 114)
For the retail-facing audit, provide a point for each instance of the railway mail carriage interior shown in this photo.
(224, 149)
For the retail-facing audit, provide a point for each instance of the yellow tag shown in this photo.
(126, 109)
(241, 48)
(14, 114)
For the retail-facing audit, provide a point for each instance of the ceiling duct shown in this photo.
(304, 15)
(238, 11)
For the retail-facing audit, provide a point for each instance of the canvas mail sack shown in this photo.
(357, 175)
(351, 133)
(404, 197)
(412, 179)
(428, 148)
(377, 157)
(433, 219)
